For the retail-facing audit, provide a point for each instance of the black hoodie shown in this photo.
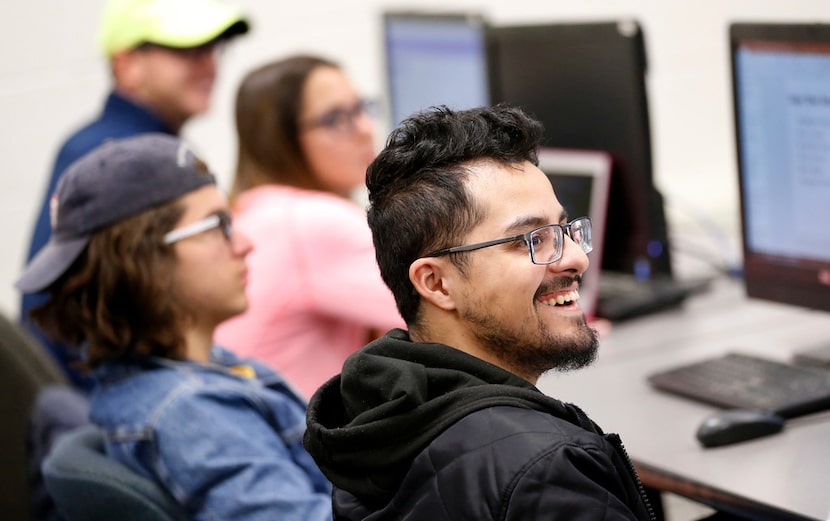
(366, 426)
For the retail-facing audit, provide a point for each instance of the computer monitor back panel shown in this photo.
(586, 83)
(781, 87)
(434, 59)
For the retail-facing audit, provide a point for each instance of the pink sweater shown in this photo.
(314, 287)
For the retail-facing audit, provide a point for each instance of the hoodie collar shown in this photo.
(394, 397)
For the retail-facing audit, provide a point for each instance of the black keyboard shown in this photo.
(745, 381)
(622, 296)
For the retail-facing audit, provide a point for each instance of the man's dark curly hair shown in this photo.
(417, 185)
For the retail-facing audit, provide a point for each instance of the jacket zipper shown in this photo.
(617, 442)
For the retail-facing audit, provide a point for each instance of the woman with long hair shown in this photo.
(316, 295)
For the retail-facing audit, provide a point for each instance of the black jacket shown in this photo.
(426, 432)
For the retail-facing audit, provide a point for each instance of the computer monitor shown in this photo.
(781, 90)
(434, 59)
(581, 180)
(586, 83)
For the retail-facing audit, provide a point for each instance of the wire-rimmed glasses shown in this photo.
(544, 244)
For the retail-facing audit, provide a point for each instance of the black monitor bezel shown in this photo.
(775, 278)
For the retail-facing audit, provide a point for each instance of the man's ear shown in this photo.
(433, 279)
(126, 70)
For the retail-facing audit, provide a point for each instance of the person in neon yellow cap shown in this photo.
(163, 57)
(163, 52)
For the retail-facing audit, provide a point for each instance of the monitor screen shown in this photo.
(586, 83)
(434, 59)
(781, 88)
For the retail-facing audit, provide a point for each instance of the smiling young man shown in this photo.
(443, 421)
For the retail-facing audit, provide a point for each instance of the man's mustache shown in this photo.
(557, 284)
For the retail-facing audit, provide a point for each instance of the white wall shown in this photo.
(52, 79)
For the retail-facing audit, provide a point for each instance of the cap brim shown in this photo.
(127, 24)
(50, 263)
(209, 26)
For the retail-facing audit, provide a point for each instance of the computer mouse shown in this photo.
(735, 425)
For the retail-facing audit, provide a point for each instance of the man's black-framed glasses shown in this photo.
(545, 243)
(221, 220)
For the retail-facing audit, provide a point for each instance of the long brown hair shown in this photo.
(115, 299)
(268, 104)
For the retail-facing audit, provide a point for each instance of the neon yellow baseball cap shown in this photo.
(174, 23)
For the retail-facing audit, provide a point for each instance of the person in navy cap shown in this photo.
(142, 266)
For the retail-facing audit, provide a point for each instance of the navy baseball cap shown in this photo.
(116, 180)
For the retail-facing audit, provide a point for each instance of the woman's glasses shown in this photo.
(221, 220)
(343, 119)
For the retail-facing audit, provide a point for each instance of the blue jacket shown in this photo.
(225, 445)
(120, 118)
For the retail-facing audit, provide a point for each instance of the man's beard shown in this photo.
(534, 349)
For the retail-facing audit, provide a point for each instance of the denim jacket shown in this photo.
(225, 438)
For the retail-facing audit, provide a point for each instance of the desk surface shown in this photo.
(784, 476)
